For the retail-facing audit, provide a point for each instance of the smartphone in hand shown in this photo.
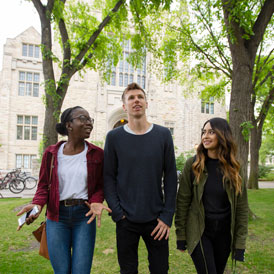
(23, 218)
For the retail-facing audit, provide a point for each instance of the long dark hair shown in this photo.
(226, 153)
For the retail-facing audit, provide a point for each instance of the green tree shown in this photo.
(262, 110)
(267, 147)
(230, 43)
(88, 40)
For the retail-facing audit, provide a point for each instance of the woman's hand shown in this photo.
(95, 210)
(31, 218)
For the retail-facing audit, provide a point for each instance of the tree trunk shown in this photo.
(52, 112)
(255, 142)
(239, 111)
(240, 102)
(50, 135)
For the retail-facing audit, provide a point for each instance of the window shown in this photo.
(170, 126)
(28, 84)
(126, 72)
(24, 160)
(141, 75)
(113, 78)
(30, 50)
(27, 127)
(207, 106)
(121, 79)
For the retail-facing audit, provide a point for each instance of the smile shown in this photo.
(206, 142)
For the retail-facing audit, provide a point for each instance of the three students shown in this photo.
(211, 209)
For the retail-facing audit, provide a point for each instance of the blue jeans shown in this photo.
(71, 241)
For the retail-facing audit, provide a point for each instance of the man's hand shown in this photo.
(161, 230)
(31, 218)
(95, 210)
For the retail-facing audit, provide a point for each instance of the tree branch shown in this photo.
(269, 74)
(265, 108)
(238, 32)
(258, 67)
(45, 17)
(213, 61)
(217, 46)
(260, 25)
(65, 44)
(95, 34)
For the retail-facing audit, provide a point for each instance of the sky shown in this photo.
(15, 17)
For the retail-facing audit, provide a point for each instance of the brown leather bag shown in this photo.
(40, 233)
(41, 236)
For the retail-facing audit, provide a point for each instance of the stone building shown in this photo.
(22, 108)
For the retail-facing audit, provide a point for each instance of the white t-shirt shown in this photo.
(129, 130)
(72, 174)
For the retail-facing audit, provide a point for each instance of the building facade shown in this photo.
(22, 109)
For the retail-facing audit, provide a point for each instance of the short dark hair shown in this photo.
(132, 86)
(65, 117)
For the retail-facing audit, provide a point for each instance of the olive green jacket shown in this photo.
(190, 214)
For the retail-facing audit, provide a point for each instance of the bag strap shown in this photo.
(49, 185)
(50, 173)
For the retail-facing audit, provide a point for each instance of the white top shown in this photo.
(129, 130)
(72, 174)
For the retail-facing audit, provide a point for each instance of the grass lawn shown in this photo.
(19, 250)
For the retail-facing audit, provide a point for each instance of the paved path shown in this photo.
(30, 193)
(266, 184)
(6, 193)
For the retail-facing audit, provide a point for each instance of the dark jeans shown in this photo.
(128, 235)
(216, 241)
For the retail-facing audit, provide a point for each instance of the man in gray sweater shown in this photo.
(140, 184)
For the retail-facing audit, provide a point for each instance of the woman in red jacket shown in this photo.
(71, 184)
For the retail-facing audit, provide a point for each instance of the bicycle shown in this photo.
(30, 182)
(11, 182)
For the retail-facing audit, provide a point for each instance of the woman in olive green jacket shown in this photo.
(212, 211)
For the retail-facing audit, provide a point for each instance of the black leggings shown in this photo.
(216, 241)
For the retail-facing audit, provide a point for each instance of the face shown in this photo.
(209, 138)
(135, 103)
(81, 124)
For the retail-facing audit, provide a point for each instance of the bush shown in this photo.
(180, 162)
(270, 176)
(264, 171)
(181, 159)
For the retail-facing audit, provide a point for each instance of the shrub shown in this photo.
(264, 171)
(181, 159)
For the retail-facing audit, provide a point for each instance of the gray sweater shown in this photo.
(135, 166)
